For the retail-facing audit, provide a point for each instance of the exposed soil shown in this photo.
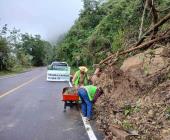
(136, 97)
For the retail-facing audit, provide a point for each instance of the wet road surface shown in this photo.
(32, 110)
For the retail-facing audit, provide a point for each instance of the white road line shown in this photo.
(70, 84)
(20, 86)
(87, 125)
(88, 128)
(12, 75)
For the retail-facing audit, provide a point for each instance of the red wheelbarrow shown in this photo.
(70, 97)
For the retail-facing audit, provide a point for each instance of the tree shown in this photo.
(40, 50)
(3, 53)
(17, 49)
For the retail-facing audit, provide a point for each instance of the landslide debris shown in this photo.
(136, 100)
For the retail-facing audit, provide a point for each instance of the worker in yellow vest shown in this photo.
(80, 78)
(89, 95)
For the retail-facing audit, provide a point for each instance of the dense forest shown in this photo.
(18, 50)
(104, 27)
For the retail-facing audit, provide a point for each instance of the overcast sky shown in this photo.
(49, 18)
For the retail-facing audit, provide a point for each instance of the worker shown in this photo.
(88, 95)
(80, 78)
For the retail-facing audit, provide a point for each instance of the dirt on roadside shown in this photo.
(136, 97)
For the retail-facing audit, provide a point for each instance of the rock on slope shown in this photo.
(137, 98)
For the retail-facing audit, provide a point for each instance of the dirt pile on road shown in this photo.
(136, 103)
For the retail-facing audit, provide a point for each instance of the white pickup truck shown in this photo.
(58, 71)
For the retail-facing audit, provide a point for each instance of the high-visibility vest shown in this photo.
(76, 82)
(91, 91)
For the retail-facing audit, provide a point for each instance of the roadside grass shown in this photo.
(15, 70)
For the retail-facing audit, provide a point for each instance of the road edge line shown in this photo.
(87, 126)
(8, 76)
(70, 84)
(14, 75)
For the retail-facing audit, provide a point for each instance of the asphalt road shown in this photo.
(31, 109)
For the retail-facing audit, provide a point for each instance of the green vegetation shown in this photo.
(126, 125)
(15, 70)
(21, 51)
(128, 109)
(167, 113)
(104, 27)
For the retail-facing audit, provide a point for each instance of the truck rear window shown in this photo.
(59, 66)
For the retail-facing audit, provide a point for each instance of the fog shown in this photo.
(47, 18)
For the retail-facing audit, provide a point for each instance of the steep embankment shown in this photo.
(136, 103)
(137, 97)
